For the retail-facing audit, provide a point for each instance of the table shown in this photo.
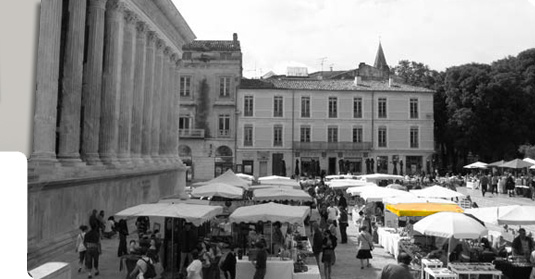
(312, 273)
(472, 185)
(276, 269)
(389, 240)
(430, 263)
(475, 269)
(437, 273)
(513, 270)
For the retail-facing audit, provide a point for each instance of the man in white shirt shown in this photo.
(332, 214)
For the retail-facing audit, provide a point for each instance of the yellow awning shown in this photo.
(422, 209)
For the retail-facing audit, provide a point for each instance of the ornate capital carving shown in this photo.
(130, 18)
(167, 51)
(141, 29)
(174, 57)
(160, 44)
(178, 63)
(151, 37)
(115, 6)
(97, 3)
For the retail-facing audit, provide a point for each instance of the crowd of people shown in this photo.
(503, 183)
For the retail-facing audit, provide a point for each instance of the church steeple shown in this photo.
(380, 60)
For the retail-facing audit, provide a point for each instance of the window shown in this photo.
(224, 125)
(357, 107)
(277, 106)
(382, 137)
(277, 135)
(333, 107)
(225, 55)
(248, 106)
(332, 134)
(184, 123)
(305, 134)
(382, 107)
(185, 86)
(414, 137)
(248, 135)
(357, 134)
(224, 86)
(305, 106)
(414, 107)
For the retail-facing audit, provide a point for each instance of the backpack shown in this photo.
(151, 271)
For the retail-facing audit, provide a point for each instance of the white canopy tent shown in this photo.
(354, 191)
(521, 215)
(273, 177)
(406, 199)
(490, 214)
(192, 213)
(270, 212)
(219, 190)
(346, 183)
(244, 176)
(229, 177)
(341, 176)
(281, 182)
(379, 194)
(380, 176)
(280, 193)
(437, 192)
(476, 165)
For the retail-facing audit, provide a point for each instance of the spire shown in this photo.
(380, 60)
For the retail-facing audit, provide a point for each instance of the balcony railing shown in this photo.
(332, 145)
(191, 133)
(223, 133)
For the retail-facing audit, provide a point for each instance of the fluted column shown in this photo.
(146, 142)
(139, 89)
(111, 82)
(71, 101)
(92, 81)
(164, 108)
(127, 86)
(46, 95)
(175, 108)
(156, 100)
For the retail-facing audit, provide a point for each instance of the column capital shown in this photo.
(173, 57)
(167, 52)
(141, 29)
(97, 3)
(152, 37)
(130, 18)
(115, 5)
(160, 44)
(178, 63)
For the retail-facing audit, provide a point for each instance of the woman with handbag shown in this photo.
(365, 246)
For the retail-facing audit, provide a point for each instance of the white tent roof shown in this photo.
(407, 199)
(359, 189)
(219, 190)
(437, 192)
(193, 213)
(281, 193)
(381, 176)
(476, 165)
(272, 212)
(282, 182)
(245, 176)
(373, 194)
(529, 160)
(345, 183)
(521, 215)
(341, 176)
(450, 224)
(229, 177)
(272, 177)
(490, 214)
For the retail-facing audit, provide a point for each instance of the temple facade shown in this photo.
(105, 132)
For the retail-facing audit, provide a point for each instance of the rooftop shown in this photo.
(329, 85)
(203, 45)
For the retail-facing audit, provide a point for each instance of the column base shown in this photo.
(110, 161)
(71, 162)
(92, 159)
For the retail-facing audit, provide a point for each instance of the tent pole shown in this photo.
(173, 248)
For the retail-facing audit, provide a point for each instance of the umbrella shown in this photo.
(516, 164)
(476, 165)
(496, 164)
(521, 215)
(450, 224)
(437, 192)
(272, 177)
(218, 190)
(529, 160)
(397, 187)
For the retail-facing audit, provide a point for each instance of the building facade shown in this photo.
(105, 132)
(358, 121)
(209, 80)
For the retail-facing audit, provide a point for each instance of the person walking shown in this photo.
(365, 245)
(328, 246)
(401, 270)
(343, 220)
(122, 229)
(510, 185)
(80, 247)
(332, 213)
(317, 242)
(494, 184)
(484, 180)
(141, 271)
(92, 244)
(229, 264)
(194, 269)
(187, 243)
(260, 263)
(102, 223)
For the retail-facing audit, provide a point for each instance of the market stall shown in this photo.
(438, 192)
(229, 177)
(298, 244)
(280, 194)
(218, 189)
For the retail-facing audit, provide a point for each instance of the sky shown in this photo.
(276, 34)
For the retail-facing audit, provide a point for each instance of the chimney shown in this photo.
(358, 80)
(235, 37)
(331, 68)
(390, 82)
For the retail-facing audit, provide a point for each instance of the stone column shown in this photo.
(111, 82)
(139, 89)
(71, 101)
(175, 109)
(156, 100)
(164, 108)
(46, 94)
(146, 142)
(92, 82)
(127, 86)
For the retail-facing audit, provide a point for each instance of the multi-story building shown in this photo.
(360, 121)
(209, 80)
